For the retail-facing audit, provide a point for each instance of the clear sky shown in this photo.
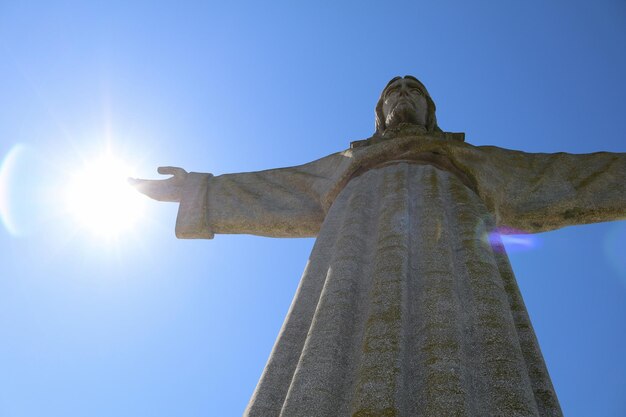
(143, 324)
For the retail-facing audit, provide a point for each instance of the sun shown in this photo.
(100, 198)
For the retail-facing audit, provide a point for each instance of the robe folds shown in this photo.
(408, 305)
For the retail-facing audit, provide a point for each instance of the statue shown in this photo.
(405, 308)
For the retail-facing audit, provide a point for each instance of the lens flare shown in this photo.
(6, 169)
(23, 174)
(614, 244)
(512, 240)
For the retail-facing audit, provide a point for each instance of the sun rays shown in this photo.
(100, 199)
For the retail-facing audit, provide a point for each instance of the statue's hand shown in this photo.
(162, 190)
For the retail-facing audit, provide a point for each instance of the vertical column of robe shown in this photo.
(322, 384)
(437, 378)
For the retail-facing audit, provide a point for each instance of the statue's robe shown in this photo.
(406, 307)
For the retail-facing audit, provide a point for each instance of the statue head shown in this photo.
(405, 100)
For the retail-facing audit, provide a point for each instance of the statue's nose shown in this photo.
(404, 93)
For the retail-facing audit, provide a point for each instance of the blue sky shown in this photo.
(148, 325)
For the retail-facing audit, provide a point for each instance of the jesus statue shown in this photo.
(408, 305)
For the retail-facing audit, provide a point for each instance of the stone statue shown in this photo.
(405, 308)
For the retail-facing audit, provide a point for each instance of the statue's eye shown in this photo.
(417, 90)
(391, 91)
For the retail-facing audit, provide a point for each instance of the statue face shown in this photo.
(404, 102)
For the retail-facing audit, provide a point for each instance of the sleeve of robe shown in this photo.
(536, 192)
(285, 202)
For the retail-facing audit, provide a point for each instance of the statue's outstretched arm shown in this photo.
(284, 202)
(537, 192)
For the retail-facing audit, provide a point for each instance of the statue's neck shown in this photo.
(403, 129)
(406, 130)
(399, 131)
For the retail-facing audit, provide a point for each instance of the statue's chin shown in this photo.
(402, 115)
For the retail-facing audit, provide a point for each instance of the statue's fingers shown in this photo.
(171, 171)
(134, 181)
(150, 188)
(160, 190)
(138, 182)
(142, 186)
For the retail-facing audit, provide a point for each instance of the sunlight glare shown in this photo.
(101, 199)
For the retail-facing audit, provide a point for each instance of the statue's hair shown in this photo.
(431, 119)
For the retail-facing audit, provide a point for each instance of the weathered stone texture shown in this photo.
(403, 311)
(405, 308)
